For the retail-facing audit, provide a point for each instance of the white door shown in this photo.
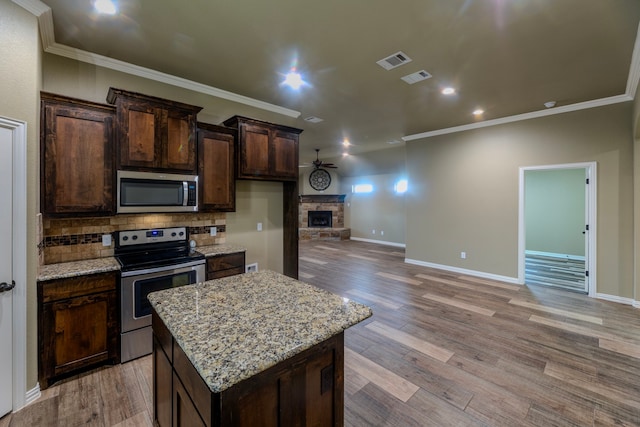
(6, 272)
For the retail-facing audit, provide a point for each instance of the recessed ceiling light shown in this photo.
(550, 104)
(293, 79)
(105, 6)
(346, 142)
(478, 112)
(448, 91)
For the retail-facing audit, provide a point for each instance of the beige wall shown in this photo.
(381, 210)
(636, 192)
(19, 88)
(258, 201)
(464, 191)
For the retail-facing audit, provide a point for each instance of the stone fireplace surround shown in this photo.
(322, 202)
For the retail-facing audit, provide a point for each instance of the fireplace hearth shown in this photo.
(320, 219)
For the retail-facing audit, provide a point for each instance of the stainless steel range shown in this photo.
(151, 260)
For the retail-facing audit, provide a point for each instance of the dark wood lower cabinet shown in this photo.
(305, 390)
(78, 325)
(225, 265)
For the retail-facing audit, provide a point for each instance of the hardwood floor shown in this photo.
(441, 349)
(562, 273)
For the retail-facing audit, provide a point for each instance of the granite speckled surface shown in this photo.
(221, 249)
(65, 270)
(238, 326)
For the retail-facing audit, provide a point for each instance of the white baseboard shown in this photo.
(620, 300)
(555, 255)
(33, 394)
(482, 274)
(380, 242)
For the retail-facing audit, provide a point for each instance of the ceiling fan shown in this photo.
(317, 163)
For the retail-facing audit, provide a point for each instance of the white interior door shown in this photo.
(6, 272)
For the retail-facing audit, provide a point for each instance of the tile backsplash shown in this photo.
(74, 239)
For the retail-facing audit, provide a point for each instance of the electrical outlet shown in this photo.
(463, 255)
(106, 240)
(382, 232)
(259, 227)
(373, 231)
(213, 231)
(251, 268)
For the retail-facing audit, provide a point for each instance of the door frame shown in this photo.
(19, 259)
(590, 215)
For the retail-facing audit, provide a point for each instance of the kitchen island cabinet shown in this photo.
(257, 349)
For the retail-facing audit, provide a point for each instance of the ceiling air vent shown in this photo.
(393, 61)
(416, 77)
(313, 119)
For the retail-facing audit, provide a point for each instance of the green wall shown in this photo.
(555, 211)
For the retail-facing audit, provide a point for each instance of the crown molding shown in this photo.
(49, 45)
(520, 117)
(634, 69)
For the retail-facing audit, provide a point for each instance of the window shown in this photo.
(401, 186)
(362, 188)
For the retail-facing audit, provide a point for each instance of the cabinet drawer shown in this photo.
(224, 273)
(54, 290)
(224, 262)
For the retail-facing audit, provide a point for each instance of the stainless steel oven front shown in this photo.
(136, 335)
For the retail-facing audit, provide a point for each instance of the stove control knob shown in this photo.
(125, 238)
(135, 237)
(173, 234)
(182, 233)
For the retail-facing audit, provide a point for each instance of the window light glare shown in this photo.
(401, 186)
(362, 188)
(448, 91)
(105, 6)
(478, 112)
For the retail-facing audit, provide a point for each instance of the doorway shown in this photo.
(557, 226)
(13, 262)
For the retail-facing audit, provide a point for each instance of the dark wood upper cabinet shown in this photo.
(216, 168)
(154, 134)
(76, 156)
(266, 151)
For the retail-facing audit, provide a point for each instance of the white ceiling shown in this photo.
(508, 57)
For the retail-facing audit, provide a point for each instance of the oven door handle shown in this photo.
(163, 268)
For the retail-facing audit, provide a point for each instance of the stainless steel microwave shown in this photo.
(142, 192)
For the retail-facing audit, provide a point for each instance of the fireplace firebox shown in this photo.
(320, 219)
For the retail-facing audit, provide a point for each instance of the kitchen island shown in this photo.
(257, 349)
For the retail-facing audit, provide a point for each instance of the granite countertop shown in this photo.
(65, 270)
(220, 249)
(238, 326)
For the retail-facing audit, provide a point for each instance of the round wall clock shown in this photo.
(320, 179)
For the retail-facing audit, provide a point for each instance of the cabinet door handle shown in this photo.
(5, 287)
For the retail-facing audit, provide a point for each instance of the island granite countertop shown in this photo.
(236, 327)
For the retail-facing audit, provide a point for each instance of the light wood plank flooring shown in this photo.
(441, 349)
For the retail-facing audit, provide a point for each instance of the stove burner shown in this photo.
(144, 249)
